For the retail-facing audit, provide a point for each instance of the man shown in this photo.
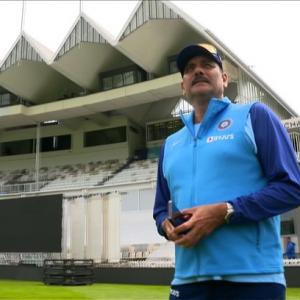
(231, 170)
(290, 249)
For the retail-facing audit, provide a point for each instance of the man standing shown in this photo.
(231, 170)
(290, 249)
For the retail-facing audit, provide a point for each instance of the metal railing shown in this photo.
(22, 187)
(294, 262)
(28, 258)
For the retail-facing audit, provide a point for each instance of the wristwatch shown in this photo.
(229, 212)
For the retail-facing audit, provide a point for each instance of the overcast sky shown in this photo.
(264, 34)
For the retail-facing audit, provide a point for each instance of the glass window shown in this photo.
(107, 83)
(117, 80)
(287, 227)
(105, 136)
(54, 143)
(139, 76)
(121, 77)
(46, 144)
(5, 99)
(128, 78)
(161, 130)
(62, 142)
(17, 147)
(172, 67)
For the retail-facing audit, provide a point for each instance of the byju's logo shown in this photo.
(215, 138)
(225, 124)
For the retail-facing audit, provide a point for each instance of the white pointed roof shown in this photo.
(145, 11)
(85, 53)
(21, 49)
(80, 31)
(25, 72)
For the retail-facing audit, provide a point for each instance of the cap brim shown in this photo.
(191, 51)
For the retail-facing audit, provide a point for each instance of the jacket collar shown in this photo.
(215, 106)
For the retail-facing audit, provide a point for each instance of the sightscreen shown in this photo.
(31, 224)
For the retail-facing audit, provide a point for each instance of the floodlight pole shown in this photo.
(37, 155)
(23, 15)
(80, 7)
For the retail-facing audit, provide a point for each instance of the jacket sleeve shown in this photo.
(279, 163)
(160, 211)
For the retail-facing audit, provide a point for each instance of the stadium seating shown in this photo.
(149, 252)
(107, 173)
(140, 170)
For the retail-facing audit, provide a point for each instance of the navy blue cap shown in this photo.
(197, 50)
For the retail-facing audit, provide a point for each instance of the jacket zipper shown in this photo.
(257, 236)
(194, 170)
(195, 203)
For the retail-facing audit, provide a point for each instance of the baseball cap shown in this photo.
(193, 50)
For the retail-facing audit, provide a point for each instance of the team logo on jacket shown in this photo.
(225, 124)
(216, 138)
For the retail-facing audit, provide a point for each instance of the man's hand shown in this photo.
(169, 230)
(203, 221)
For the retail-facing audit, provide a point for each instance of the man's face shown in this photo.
(203, 79)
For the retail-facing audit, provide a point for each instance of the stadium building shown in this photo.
(81, 132)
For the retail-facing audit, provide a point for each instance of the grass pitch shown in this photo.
(32, 290)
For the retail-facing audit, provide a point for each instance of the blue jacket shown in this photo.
(290, 250)
(226, 162)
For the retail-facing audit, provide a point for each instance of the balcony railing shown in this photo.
(22, 187)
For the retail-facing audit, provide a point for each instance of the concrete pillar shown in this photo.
(111, 218)
(77, 209)
(95, 225)
(66, 230)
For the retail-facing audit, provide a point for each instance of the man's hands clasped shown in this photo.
(201, 221)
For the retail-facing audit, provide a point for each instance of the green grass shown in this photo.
(293, 294)
(32, 290)
(26, 290)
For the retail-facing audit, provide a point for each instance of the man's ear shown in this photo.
(225, 79)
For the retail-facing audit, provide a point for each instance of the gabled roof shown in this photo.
(147, 10)
(22, 49)
(81, 31)
(45, 53)
(25, 72)
(85, 53)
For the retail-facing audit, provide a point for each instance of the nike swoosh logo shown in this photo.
(176, 143)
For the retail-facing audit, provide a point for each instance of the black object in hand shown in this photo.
(175, 216)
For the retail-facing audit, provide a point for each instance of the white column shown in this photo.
(66, 230)
(77, 227)
(95, 224)
(111, 217)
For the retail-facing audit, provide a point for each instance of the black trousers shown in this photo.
(226, 290)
